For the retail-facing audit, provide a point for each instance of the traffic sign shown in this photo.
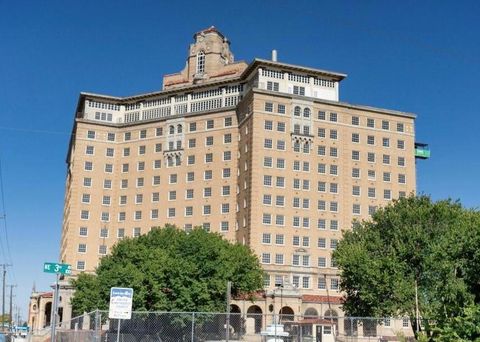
(120, 303)
(53, 267)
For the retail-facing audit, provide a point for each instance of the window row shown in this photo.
(304, 282)
(159, 131)
(298, 222)
(297, 241)
(154, 213)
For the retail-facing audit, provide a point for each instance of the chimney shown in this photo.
(274, 55)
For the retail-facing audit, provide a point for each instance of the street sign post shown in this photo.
(57, 268)
(121, 299)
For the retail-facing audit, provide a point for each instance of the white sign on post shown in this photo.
(120, 303)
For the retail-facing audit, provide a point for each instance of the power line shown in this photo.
(27, 130)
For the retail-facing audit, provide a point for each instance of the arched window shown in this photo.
(179, 129)
(306, 113)
(296, 111)
(201, 62)
(171, 129)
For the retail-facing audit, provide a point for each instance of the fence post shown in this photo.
(193, 327)
(98, 322)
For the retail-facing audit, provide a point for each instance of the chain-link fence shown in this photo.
(213, 327)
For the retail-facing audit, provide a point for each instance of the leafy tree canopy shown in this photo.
(171, 270)
(435, 245)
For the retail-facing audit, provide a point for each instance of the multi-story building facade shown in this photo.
(264, 153)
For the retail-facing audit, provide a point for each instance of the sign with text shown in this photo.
(120, 303)
(53, 267)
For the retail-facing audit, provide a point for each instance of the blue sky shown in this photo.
(420, 57)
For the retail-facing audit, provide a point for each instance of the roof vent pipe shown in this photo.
(274, 55)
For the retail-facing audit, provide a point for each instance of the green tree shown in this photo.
(171, 270)
(414, 242)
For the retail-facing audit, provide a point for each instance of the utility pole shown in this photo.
(11, 302)
(3, 294)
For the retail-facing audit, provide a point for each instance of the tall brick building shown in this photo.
(263, 153)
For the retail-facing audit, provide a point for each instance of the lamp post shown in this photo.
(280, 286)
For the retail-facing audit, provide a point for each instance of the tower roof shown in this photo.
(211, 29)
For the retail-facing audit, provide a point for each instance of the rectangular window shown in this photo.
(225, 208)
(386, 159)
(280, 182)
(207, 175)
(385, 125)
(334, 170)
(83, 231)
(333, 134)
(280, 220)
(356, 209)
(111, 136)
(400, 127)
(355, 155)
(355, 137)
(265, 258)
(321, 224)
(281, 126)
(267, 219)
(281, 109)
(228, 121)
(268, 125)
(371, 123)
(281, 145)
(333, 152)
(371, 157)
(385, 142)
(268, 107)
(268, 143)
(266, 238)
(227, 138)
(386, 176)
(321, 243)
(401, 144)
(280, 200)
(356, 190)
(210, 124)
(333, 117)
(401, 178)
(267, 180)
(355, 120)
(207, 192)
(355, 173)
(321, 150)
(321, 132)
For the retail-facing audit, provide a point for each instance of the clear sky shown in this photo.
(420, 57)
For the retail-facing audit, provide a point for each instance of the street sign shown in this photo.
(120, 303)
(53, 267)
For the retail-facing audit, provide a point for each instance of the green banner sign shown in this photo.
(53, 267)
